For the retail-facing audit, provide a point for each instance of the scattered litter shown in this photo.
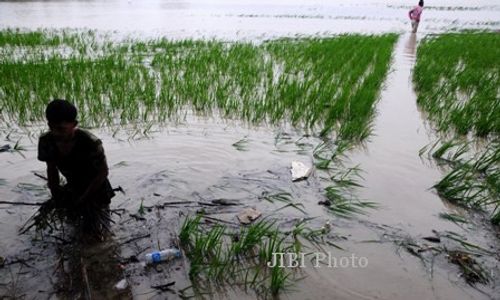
(163, 255)
(137, 217)
(162, 284)
(300, 171)
(5, 148)
(121, 285)
(432, 239)
(325, 202)
(225, 202)
(326, 228)
(248, 215)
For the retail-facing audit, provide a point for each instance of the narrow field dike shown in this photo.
(326, 84)
(457, 77)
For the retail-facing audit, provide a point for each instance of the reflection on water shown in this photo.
(90, 271)
(411, 45)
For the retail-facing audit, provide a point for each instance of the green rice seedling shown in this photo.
(453, 217)
(205, 250)
(281, 197)
(298, 206)
(495, 219)
(473, 181)
(340, 195)
(346, 208)
(463, 241)
(279, 279)
(188, 228)
(251, 236)
(438, 153)
(16, 37)
(456, 78)
(140, 211)
(272, 245)
(241, 145)
(341, 199)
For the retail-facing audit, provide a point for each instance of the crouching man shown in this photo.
(79, 156)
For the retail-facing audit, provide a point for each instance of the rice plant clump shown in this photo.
(474, 180)
(457, 77)
(219, 255)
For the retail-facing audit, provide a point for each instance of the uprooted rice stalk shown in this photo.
(472, 271)
(469, 257)
(50, 216)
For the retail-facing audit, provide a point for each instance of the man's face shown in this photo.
(63, 131)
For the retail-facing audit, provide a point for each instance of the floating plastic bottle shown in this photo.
(163, 255)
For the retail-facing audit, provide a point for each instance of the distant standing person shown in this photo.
(414, 15)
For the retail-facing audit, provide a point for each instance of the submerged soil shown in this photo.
(203, 159)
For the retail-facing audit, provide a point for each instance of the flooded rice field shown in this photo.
(247, 19)
(391, 237)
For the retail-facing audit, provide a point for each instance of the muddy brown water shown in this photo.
(197, 160)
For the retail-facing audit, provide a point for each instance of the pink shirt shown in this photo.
(415, 13)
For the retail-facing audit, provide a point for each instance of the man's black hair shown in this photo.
(59, 110)
(421, 3)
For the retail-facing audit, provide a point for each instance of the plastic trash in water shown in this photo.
(300, 171)
(163, 255)
(122, 284)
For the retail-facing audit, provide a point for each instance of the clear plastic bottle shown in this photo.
(163, 255)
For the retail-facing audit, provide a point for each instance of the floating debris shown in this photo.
(162, 284)
(248, 215)
(300, 171)
(225, 202)
(471, 269)
(5, 148)
(122, 284)
(432, 239)
(325, 202)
